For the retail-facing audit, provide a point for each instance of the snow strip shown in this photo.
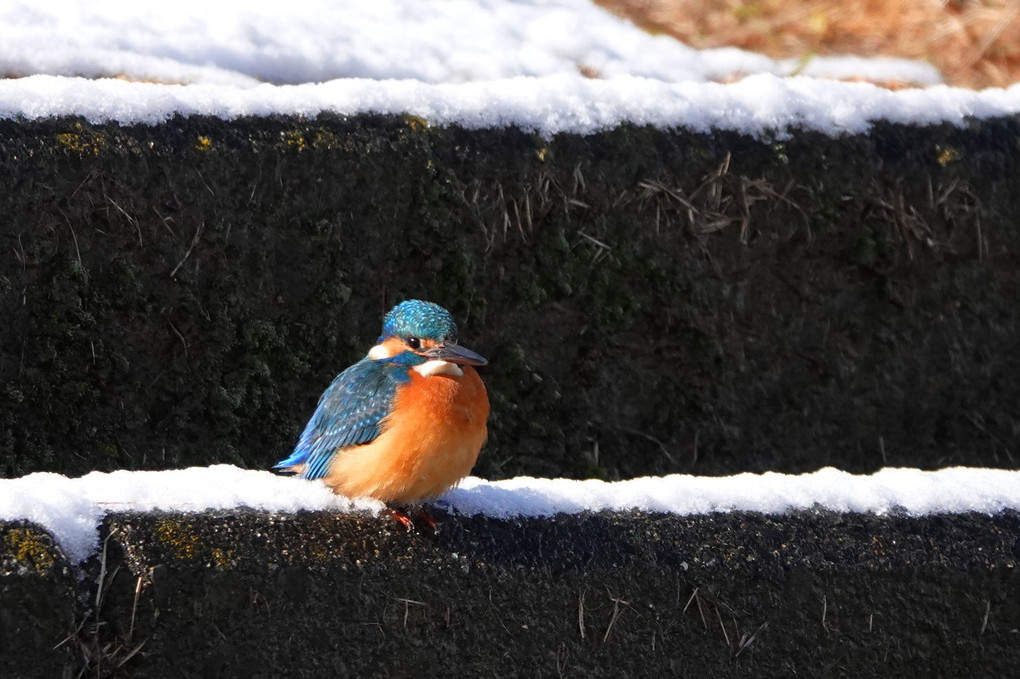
(761, 105)
(300, 41)
(72, 508)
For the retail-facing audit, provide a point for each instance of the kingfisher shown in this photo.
(407, 421)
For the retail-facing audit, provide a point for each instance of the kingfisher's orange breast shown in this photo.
(428, 442)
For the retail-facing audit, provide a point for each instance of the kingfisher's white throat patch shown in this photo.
(379, 351)
(435, 367)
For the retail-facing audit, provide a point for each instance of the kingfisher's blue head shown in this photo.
(424, 331)
(424, 320)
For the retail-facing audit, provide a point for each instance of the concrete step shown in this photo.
(609, 594)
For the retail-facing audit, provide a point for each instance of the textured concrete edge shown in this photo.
(181, 294)
(596, 595)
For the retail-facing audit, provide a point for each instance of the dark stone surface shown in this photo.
(251, 594)
(37, 605)
(651, 301)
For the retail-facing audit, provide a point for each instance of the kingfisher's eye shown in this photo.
(414, 342)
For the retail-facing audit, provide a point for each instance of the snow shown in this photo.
(916, 492)
(72, 508)
(302, 41)
(477, 63)
(759, 105)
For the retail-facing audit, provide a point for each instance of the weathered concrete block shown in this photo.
(652, 301)
(38, 611)
(251, 594)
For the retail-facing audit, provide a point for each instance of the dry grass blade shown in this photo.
(580, 615)
(194, 242)
(130, 654)
(617, 601)
(134, 609)
(746, 641)
(721, 200)
(693, 594)
(726, 636)
(407, 606)
(131, 220)
(908, 224)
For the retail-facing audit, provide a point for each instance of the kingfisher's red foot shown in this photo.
(410, 524)
(429, 521)
(401, 518)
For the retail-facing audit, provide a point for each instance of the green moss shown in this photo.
(326, 140)
(416, 124)
(13, 394)
(110, 451)
(946, 155)
(81, 140)
(779, 149)
(181, 538)
(530, 293)
(333, 291)
(294, 139)
(30, 549)
(223, 558)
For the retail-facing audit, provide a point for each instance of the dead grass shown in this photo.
(975, 43)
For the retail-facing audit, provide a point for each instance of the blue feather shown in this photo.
(350, 412)
(415, 318)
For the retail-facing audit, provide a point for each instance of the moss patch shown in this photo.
(29, 549)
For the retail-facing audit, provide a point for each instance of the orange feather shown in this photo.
(428, 442)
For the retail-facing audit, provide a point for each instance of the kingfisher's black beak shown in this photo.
(454, 353)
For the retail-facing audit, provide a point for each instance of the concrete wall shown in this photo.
(258, 595)
(651, 302)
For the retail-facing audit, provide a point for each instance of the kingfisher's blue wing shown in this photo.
(348, 414)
